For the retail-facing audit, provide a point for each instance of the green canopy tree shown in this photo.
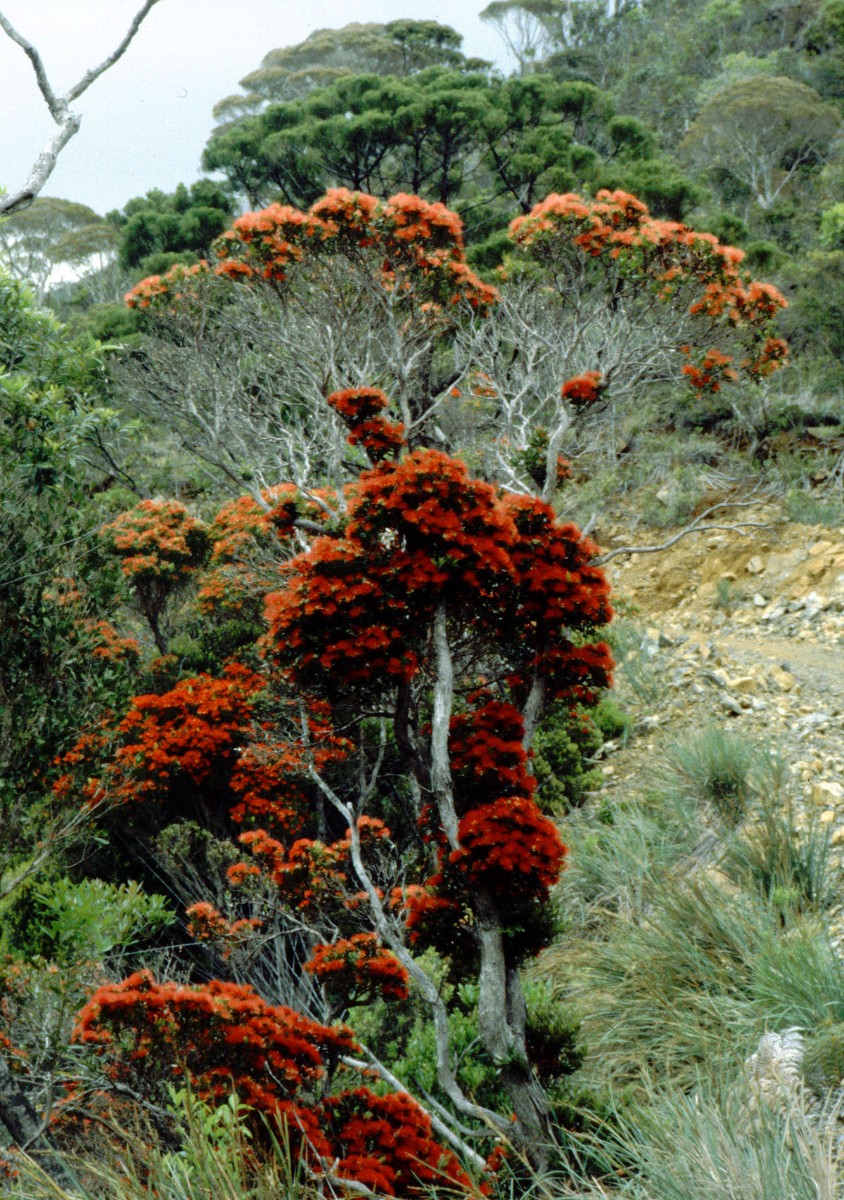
(180, 225)
(487, 146)
(34, 241)
(60, 660)
(762, 132)
(401, 47)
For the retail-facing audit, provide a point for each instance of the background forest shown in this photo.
(312, 472)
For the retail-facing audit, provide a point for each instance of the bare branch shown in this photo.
(742, 528)
(389, 935)
(68, 122)
(95, 72)
(48, 846)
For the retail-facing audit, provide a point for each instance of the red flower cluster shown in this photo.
(226, 1039)
(358, 969)
(356, 609)
(361, 410)
(506, 843)
(510, 845)
(582, 389)
(388, 1145)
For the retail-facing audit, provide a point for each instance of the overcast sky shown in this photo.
(145, 122)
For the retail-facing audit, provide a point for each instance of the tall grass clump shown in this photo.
(619, 855)
(787, 865)
(714, 767)
(670, 993)
(687, 986)
(714, 1144)
(636, 669)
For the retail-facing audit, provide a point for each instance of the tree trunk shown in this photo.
(25, 1130)
(501, 1014)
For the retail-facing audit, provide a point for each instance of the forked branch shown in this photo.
(698, 525)
(68, 122)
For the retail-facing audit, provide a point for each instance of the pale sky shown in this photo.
(146, 121)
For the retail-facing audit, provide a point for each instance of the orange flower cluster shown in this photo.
(106, 642)
(707, 376)
(358, 968)
(168, 745)
(240, 534)
(174, 285)
(206, 924)
(419, 246)
(156, 540)
(310, 875)
(772, 356)
(192, 732)
(241, 521)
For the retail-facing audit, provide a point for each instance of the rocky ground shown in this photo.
(745, 631)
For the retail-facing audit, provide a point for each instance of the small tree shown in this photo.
(159, 546)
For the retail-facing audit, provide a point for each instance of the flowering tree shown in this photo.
(419, 620)
(159, 546)
(412, 645)
(604, 302)
(399, 284)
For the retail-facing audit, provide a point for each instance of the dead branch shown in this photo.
(68, 122)
(742, 528)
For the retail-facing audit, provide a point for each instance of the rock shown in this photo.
(815, 603)
(827, 817)
(759, 600)
(827, 791)
(744, 685)
(755, 565)
(731, 704)
(716, 677)
(773, 1072)
(781, 679)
